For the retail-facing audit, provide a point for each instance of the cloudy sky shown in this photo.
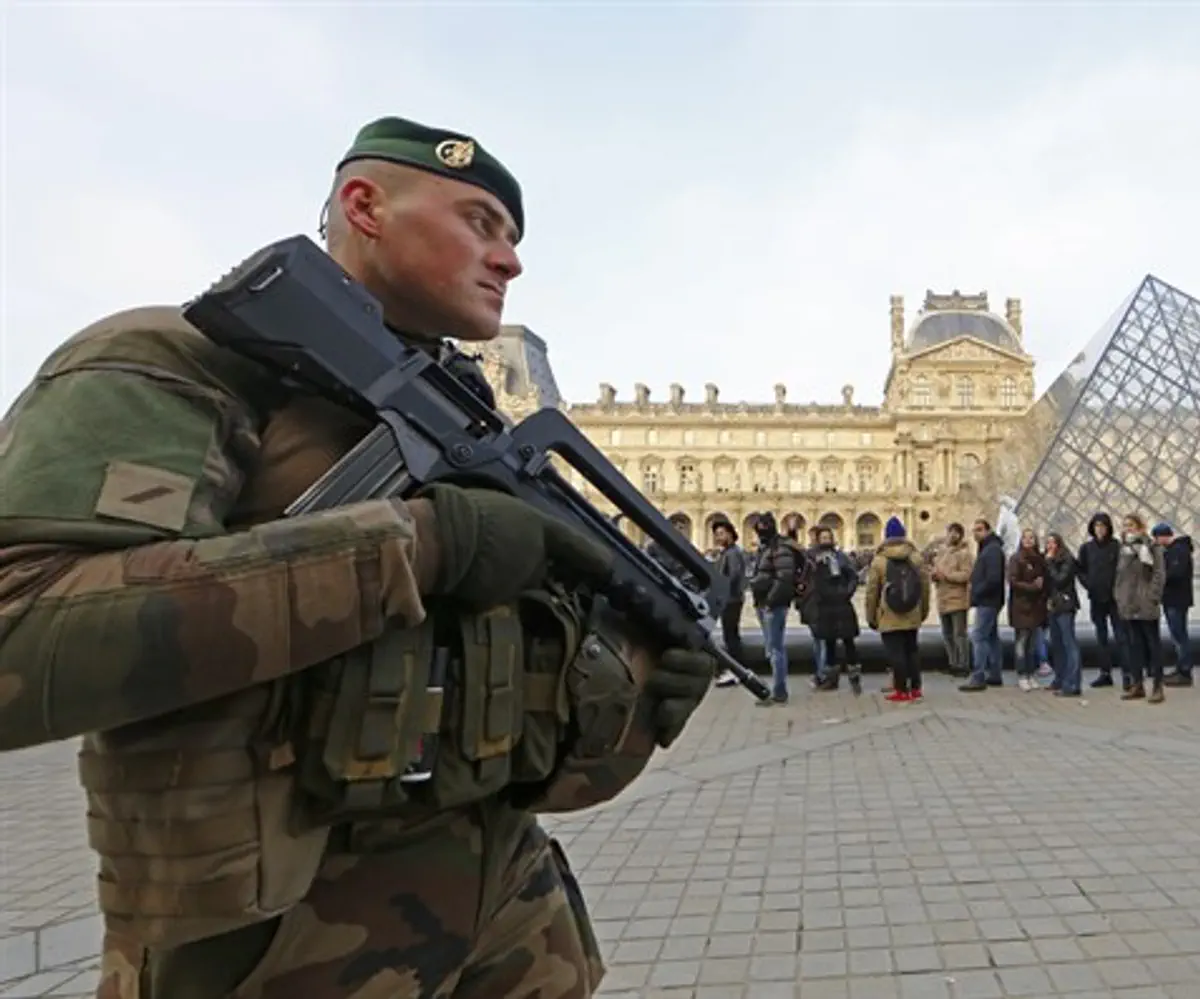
(715, 192)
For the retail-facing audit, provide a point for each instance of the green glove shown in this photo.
(676, 687)
(493, 547)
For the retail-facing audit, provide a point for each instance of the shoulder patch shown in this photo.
(145, 495)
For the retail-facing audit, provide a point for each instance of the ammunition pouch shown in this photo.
(433, 718)
(606, 747)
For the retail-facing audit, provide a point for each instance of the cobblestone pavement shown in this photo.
(966, 847)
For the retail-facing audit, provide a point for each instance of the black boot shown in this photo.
(1104, 679)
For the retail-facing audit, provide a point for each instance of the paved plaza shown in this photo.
(966, 847)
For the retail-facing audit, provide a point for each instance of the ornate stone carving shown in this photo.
(608, 395)
(965, 350)
(897, 317)
(676, 395)
(1012, 313)
(711, 393)
(780, 394)
(641, 395)
(956, 300)
(847, 395)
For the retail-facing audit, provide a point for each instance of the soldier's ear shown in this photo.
(361, 202)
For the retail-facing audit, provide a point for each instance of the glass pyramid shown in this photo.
(1119, 430)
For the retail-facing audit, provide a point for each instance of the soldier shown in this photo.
(253, 691)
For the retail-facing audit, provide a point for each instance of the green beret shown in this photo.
(449, 154)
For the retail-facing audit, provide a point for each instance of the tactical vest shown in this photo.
(219, 816)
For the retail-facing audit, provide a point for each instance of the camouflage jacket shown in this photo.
(123, 596)
(143, 569)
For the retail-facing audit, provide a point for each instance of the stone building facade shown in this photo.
(959, 382)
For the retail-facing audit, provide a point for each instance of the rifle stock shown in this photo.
(291, 308)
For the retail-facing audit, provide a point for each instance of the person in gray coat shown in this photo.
(1141, 576)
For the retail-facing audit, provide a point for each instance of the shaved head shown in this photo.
(392, 179)
(437, 253)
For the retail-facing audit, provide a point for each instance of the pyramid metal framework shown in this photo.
(1129, 435)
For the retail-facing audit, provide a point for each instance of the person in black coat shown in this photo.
(1098, 573)
(731, 563)
(832, 609)
(1062, 604)
(1177, 599)
(988, 583)
(773, 587)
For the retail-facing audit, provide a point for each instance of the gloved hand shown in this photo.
(676, 687)
(493, 547)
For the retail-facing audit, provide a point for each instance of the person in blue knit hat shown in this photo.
(897, 603)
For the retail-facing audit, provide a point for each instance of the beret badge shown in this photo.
(457, 154)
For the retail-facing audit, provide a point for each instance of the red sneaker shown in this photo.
(898, 697)
(916, 695)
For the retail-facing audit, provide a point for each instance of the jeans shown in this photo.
(954, 637)
(1041, 644)
(820, 659)
(1177, 626)
(1025, 651)
(773, 621)
(1064, 652)
(985, 646)
(1117, 653)
(1145, 650)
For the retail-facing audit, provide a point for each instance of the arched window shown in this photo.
(922, 394)
(966, 393)
(1008, 392)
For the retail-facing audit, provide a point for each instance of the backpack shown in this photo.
(901, 586)
(802, 573)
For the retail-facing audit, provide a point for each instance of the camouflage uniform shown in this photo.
(153, 601)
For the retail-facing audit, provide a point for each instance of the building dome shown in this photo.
(943, 326)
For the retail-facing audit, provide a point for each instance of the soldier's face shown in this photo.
(440, 255)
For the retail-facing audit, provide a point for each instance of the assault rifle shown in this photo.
(291, 308)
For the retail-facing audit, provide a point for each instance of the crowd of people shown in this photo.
(1132, 580)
